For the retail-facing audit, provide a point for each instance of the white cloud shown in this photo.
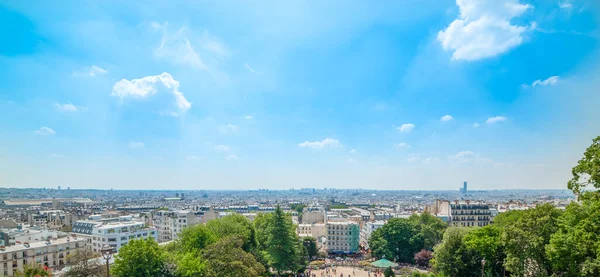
(462, 155)
(44, 131)
(92, 71)
(469, 157)
(416, 158)
(136, 145)
(249, 68)
(402, 145)
(184, 48)
(495, 119)
(431, 160)
(248, 117)
(352, 151)
(550, 81)
(151, 85)
(565, 4)
(221, 148)
(406, 128)
(229, 129)
(66, 107)
(446, 118)
(231, 157)
(328, 142)
(475, 124)
(352, 161)
(483, 29)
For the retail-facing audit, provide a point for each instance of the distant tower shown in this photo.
(465, 187)
(58, 187)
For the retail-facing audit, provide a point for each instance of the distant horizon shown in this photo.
(295, 189)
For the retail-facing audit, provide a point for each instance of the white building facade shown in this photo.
(52, 253)
(343, 237)
(367, 230)
(118, 234)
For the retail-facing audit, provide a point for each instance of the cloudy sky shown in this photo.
(281, 94)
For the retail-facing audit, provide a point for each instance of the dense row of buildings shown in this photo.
(45, 231)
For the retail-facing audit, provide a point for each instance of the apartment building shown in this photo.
(51, 253)
(470, 213)
(115, 232)
(24, 233)
(312, 217)
(317, 231)
(367, 230)
(343, 237)
(169, 224)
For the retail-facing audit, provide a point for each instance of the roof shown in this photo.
(31, 202)
(33, 245)
(383, 263)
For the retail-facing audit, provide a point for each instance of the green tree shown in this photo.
(587, 171)
(486, 243)
(389, 272)
(399, 237)
(227, 258)
(189, 265)
(310, 244)
(34, 271)
(379, 245)
(194, 238)
(235, 225)
(83, 267)
(575, 248)
(507, 218)
(451, 257)
(431, 230)
(139, 258)
(526, 240)
(282, 245)
(263, 228)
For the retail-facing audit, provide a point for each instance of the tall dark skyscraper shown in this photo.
(463, 190)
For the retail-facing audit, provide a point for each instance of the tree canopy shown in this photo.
(402, 238)
(139, 258)
(587, 171)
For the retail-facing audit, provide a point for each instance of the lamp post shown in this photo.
(482, 266)
(107, 253)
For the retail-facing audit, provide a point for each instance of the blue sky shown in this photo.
(290, 94)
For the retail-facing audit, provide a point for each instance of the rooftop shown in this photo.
(33, 245)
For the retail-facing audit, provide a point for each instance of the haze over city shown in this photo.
(403, 95)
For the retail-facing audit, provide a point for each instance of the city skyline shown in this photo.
(238, 95)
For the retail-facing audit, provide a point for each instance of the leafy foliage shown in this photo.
(195, 238)
(574, 248)
(235, 225)
(283, 246)
(139, 258)
(83, 267)
(526, 240)
(34, 271)
(389, 272)
(587, 171)
(310, 244)
(423, 257)
(401, 238)
(226, 258)
(451, 257)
